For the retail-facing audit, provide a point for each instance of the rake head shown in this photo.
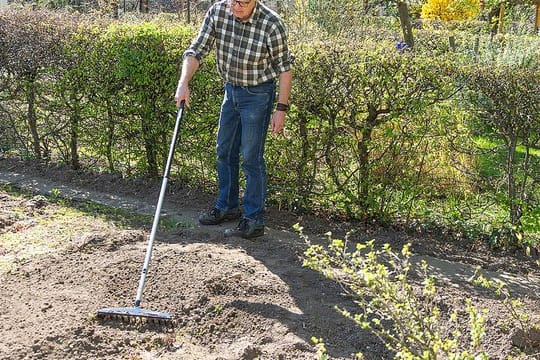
(135, 314)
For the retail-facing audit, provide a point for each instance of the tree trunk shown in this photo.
(32, 118)
(405, 21)
(363, 164)
(500, 28)
(303, 180)
(115, 10)
(150, 147)
(74, 120)
(537, 18)
(144, 6)
(512, 198)
(110, 139)
(363, 160)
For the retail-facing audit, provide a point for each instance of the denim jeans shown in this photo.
(243, 124)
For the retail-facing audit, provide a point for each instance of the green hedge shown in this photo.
(371, 132)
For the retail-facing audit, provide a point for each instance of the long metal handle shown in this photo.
(157, 214)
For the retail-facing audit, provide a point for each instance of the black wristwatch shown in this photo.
(282, 107)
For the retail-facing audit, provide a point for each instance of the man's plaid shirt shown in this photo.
(248, 52)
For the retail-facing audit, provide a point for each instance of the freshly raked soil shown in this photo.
(231, 298)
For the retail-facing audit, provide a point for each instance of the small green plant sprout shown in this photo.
(92, 316)
(403, 313)
(321, 349)
(218, 308)
(55, 193)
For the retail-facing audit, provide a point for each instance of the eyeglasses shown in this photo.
(239, 3)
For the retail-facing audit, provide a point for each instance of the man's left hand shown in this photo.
(278, 122)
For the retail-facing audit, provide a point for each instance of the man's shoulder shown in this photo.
(269, 15)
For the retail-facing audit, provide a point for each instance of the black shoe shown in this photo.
(247, 229)
(217, 216)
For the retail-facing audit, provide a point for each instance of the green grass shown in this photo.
(50, 228)
(493, 162)
(38, 231)
(123, 218)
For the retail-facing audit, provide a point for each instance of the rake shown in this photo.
(136, 312)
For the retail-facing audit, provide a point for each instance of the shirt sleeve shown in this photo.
(282, 58)
(203, 43)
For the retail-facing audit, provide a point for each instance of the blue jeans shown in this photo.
(243, 124)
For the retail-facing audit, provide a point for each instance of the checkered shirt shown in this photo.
(248, 52)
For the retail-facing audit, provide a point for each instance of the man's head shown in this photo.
(242, 9)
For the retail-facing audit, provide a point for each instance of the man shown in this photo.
(252, 53)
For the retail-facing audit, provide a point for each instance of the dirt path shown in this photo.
(233, 299)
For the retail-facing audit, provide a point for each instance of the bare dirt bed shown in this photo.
(231, 298)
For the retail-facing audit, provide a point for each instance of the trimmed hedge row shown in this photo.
(367, 132)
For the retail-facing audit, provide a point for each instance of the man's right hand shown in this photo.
(182, 93)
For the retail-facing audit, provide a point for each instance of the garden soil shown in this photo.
(231, 298)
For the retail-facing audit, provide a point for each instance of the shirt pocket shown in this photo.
(255, 53)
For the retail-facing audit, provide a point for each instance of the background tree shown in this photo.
(496, 11)
(509, 106)
(33, 48)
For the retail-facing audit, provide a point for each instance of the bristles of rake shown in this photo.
(137, 322)
(136, 316)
